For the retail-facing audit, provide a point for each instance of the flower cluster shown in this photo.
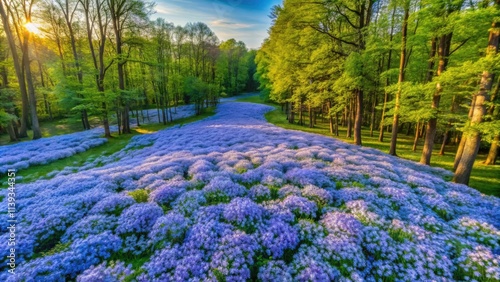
(234, 198)
(169, 228)
(46, 150)
(116, 271)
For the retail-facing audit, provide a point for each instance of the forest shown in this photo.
(421, 67)
(102, 61)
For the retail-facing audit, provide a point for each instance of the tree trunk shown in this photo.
(415, 140)
(494, 112)
(402, 64)
(311, 124)
(443, 145)
(119, 120)
(12, 133)
(408, 129)
(387, 82)
(372, 118)
(37, 134)
(345, 114)
(359, 117)
(301, 113)
(381, 129)
(137, 116)
(443, 53)
(330, 118)
(336, 124)
(493, 153)
(116, 13)
(349, 119)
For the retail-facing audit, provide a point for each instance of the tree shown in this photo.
(96, 13)
(402, 65)
(467, 157)
(125, 14)
(23, 68)
(443, 51)
(68, 9)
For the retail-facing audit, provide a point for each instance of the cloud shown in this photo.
(245, 20)
(228, 24)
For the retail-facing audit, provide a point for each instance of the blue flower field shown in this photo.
(234, 198)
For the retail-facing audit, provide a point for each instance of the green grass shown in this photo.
(484, 178)
(114, 144)
(48, 128)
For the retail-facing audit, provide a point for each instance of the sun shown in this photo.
(33, 28)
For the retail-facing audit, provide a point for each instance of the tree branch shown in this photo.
(460, 45)
(108, 66)
(346, 18)
(333, 36)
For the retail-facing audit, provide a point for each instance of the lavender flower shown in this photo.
(116, 271)
(259, 193)
(243, 212)
(320, 196)
(277, 237)
(138, 218)
(234, 257)
(169, 228)
(275, 271)
(300, 206)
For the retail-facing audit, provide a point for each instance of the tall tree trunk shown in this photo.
(37, 134)
(364, 14)
(372, 117)
(116, 12)
(387, 82)
(402, 64)
(460, 151)
(311, 124)
(301, 113)
(494, 112)
(42, 80)
(443, 145)
(12, 133)
(381, 127)
(415, 140)
(292, 114)
(493, 153)
(330, 118)
(443, 53)
(349, 119)
(359, 117)
(23, 131)
(471, 147)
(337, 124)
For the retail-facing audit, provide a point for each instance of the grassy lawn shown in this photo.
(49, 128)
(114, 144)
(484, 178)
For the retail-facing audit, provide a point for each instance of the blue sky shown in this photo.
(247, 21)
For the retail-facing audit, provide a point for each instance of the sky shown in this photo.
(245, 20)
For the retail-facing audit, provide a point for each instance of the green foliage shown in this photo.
(140, 195)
